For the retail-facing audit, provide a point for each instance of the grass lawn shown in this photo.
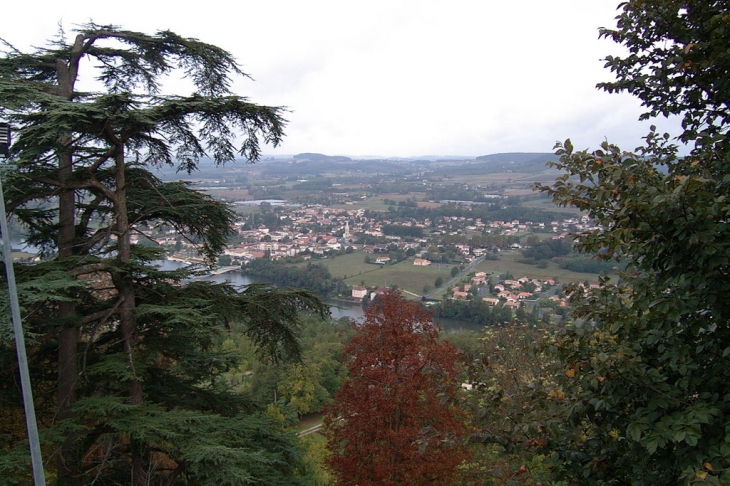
(376, 202)
(22, 255)
(353, 269)
(345, 265)
(405, 275)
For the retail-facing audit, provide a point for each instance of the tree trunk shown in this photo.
(125, 288)
(69, 333)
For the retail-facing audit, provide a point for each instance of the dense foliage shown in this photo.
(473, 310)
(401, 230)
(512, 399)
(394, 420)
(547, 249)
(646, 384)
(588, 265)
(125, 358)
(313, 276)
(677, 63)
(297, 388)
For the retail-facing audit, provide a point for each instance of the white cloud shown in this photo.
(396, 78)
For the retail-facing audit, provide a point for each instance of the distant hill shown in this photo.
(529, 163)
(517, 157)
(321, 158)
(306, 165)
(310, 165)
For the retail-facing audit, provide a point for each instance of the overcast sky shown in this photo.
(395, 77)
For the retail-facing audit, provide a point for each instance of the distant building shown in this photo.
(359, 292)
(378, 291)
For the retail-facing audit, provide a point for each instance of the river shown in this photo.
(338, 309)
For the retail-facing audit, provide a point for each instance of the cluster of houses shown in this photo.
(359, 292)
(318, 230)
(510, 293)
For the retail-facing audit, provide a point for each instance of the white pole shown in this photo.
(39, 478)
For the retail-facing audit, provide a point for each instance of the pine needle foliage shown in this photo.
(126, 358)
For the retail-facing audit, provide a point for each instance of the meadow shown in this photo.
(413, 279)
(407, 276)
(508, 263)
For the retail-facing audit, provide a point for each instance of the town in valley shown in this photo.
(435, 229)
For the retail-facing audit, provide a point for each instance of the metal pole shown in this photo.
(39, 478)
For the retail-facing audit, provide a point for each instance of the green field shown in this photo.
(375, 203)
(346, 265)
(548, 205)
(507, 263)
(405, 274)
(411, 278)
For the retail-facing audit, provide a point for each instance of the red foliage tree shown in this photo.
(394, 421)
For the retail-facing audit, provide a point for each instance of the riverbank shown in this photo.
(339, 308)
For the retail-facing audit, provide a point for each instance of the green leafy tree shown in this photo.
(316, 452)
(139, 392)
(304, 386)
(676, 62)
(646, 380)
(511, 386)
(521, 314)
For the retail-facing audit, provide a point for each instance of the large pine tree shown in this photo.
(138, 391)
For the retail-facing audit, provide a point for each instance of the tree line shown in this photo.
(489, 212)
(473, 310)
(313, 276)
